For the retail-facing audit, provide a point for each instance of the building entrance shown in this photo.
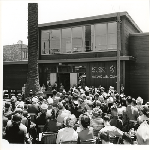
(64, 78)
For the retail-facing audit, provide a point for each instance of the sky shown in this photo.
(14, 14)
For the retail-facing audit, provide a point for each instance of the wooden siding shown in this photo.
(138, 71)
(128, 28)
(14, 76)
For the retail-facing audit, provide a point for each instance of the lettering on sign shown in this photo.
(104, 73)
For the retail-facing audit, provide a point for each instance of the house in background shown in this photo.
(15, 52)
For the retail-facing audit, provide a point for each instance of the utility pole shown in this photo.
(118, 52)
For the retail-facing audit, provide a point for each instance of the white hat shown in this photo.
(50, 100)
(35, 99)
(111, 88)
(44, 106)
(139, 100)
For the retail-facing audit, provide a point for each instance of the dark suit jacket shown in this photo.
(33, 108)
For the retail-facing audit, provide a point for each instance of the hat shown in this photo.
(145, 109)
(18, 110)
(96, 94)
(96, 112)
(44, 106)
(50, 100)
(102, 88)
(17, 117)
(35, 99)
(139, 100)
(19, 95)
(75, 102)
(111, 88)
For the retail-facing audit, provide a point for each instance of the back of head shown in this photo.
(129, 99)
(85, 120)
(106, 118)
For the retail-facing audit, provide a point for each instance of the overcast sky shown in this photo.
(14, 14)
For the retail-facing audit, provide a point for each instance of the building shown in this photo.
(13, 52)
(84, 51)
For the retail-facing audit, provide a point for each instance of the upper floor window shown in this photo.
(66, 41)
(96, 37)
(77, 39)
(50, 42)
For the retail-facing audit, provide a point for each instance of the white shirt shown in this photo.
(142, 118)
(66, 134)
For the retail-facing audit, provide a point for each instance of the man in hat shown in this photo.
(130, 115)
(16, 133)
(115, 121)
(41, 119)
(34, 107)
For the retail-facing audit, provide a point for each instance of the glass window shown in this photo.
(54, 41)
(89, 37)
(66, 41)
(77, 41)
(101, 36)
(45, 47)
(112, 35)
(50, 41)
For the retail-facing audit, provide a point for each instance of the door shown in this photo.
(64, 78)
(73, 79)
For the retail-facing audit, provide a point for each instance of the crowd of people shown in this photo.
(78, 116)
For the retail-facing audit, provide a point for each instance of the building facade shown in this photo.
(87, 51)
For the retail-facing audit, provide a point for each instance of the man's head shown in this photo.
(114, 110)
(106, 120)
(139, 101)
(16, 119)
(44, 108)
(129, 100)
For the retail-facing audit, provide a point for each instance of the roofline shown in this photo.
(91, 18)
(139, 34)
(15, 62)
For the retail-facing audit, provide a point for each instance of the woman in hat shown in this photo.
(145, 114)
(96, 121)
(67, 133)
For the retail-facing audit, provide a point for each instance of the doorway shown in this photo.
(64, 78)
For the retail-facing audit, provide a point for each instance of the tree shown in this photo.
(32, 75)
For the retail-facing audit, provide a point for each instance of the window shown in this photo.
(112, 35)
(66, 41)
(100, 37)
(77, 40)
(50, 43)
(89, 37)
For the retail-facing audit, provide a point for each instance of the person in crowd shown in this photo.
(112, 130)
(56, 98)
(34, 107)
(86, 132)
(133, 102)
(130, 115)
(139, 102)
(142, 133)
(16, 133)
(29, 98)
(115, 121)
(24, 118)
(145, 115)
(96, 121)
(51, 123)
(41, 118)
(61, 114)
(7, 109)
(67, 133)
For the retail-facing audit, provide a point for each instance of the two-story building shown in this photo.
(84, 51)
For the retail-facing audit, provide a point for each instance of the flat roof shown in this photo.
(90, 18)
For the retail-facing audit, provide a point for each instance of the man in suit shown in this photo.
(130, 115)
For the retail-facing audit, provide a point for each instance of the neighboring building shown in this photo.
(13, 52)
(84, 51)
